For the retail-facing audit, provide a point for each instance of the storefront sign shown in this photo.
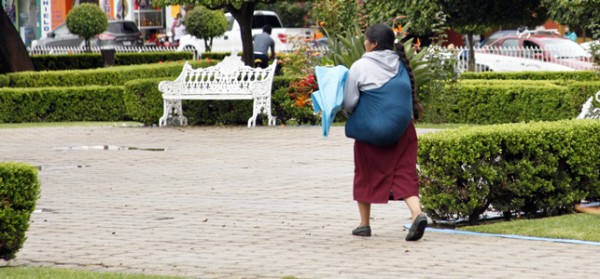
(45, 17)
(59, 13)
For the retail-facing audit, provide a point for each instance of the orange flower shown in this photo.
(398, 29)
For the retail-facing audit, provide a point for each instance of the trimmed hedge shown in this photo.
(144, 104)
(54, 104)
(543, 167)
(19, 191)
(535, 75)
(4, 81)
(56, 62)
(508, 101)
(102, 76)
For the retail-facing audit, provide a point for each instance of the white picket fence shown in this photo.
(78, 50)
(486, 59)
(503, 59)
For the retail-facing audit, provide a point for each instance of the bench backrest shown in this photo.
(229, 77)
(589, 111)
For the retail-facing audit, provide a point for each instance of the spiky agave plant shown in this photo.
(345, 49)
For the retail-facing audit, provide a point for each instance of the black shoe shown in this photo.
(417, 228)
(362, 231)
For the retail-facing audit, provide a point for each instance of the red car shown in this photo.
(550, 49)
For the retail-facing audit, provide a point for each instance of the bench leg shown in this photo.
(262, 104)
(272, 120)
(173, 114)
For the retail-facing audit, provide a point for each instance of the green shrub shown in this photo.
(535, 168)
(19, 191)
(102, 76)
(508, 101)
(143, 101)
(152, 57)
(535, 75)
(57, 62)
(54, 104)
(287, 110)
(4, 81)
(216, 55)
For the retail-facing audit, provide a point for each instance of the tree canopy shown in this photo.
(580, 14)
(241, 10)
(205, 24)
(87, 20)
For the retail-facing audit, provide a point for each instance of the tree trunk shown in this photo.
(208, 44)
(471, 53)
(13, 53)
(244, 18)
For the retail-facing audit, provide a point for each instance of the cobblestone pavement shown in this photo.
(234, 202)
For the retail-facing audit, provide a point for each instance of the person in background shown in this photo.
(177, 28)
(571, 35)
(379, 93)
(262, 43)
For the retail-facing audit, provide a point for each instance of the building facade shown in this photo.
(36, 18)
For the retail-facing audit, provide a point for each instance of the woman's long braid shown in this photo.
(417, 107)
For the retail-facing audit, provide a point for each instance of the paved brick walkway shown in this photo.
(240, 203)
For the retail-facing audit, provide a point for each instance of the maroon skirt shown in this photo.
(386, 173)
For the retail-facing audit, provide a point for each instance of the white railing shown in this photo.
(508, 59)
(131, 49)
(486, 59)
(78, 50)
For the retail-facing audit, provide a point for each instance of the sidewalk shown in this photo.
(264, 202)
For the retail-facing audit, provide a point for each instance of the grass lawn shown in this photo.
(60, 273)
(577, 226)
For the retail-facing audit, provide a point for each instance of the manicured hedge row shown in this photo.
(53, 104)
(55, 62)
(217, 55)
(536, 75)
(4, 81)
(509, 102)
(102, 76)
(144, 103)
(543, 167)
(19, 191)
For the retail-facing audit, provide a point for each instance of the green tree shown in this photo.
(241, 10)
(291, 14)
(578, 14)
(87, 20)
(205, 24)
(472, 17)
(13, 53)
(339, 16)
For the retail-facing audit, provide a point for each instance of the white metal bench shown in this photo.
(230, 79)
(589, 111)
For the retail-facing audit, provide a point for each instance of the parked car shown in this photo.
(118, 33)
(532, 52)
(518, 32)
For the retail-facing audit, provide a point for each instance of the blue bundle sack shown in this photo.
(383, 114)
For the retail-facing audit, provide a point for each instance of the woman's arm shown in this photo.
(351, 92)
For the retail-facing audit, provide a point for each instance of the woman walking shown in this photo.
(380, 98)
